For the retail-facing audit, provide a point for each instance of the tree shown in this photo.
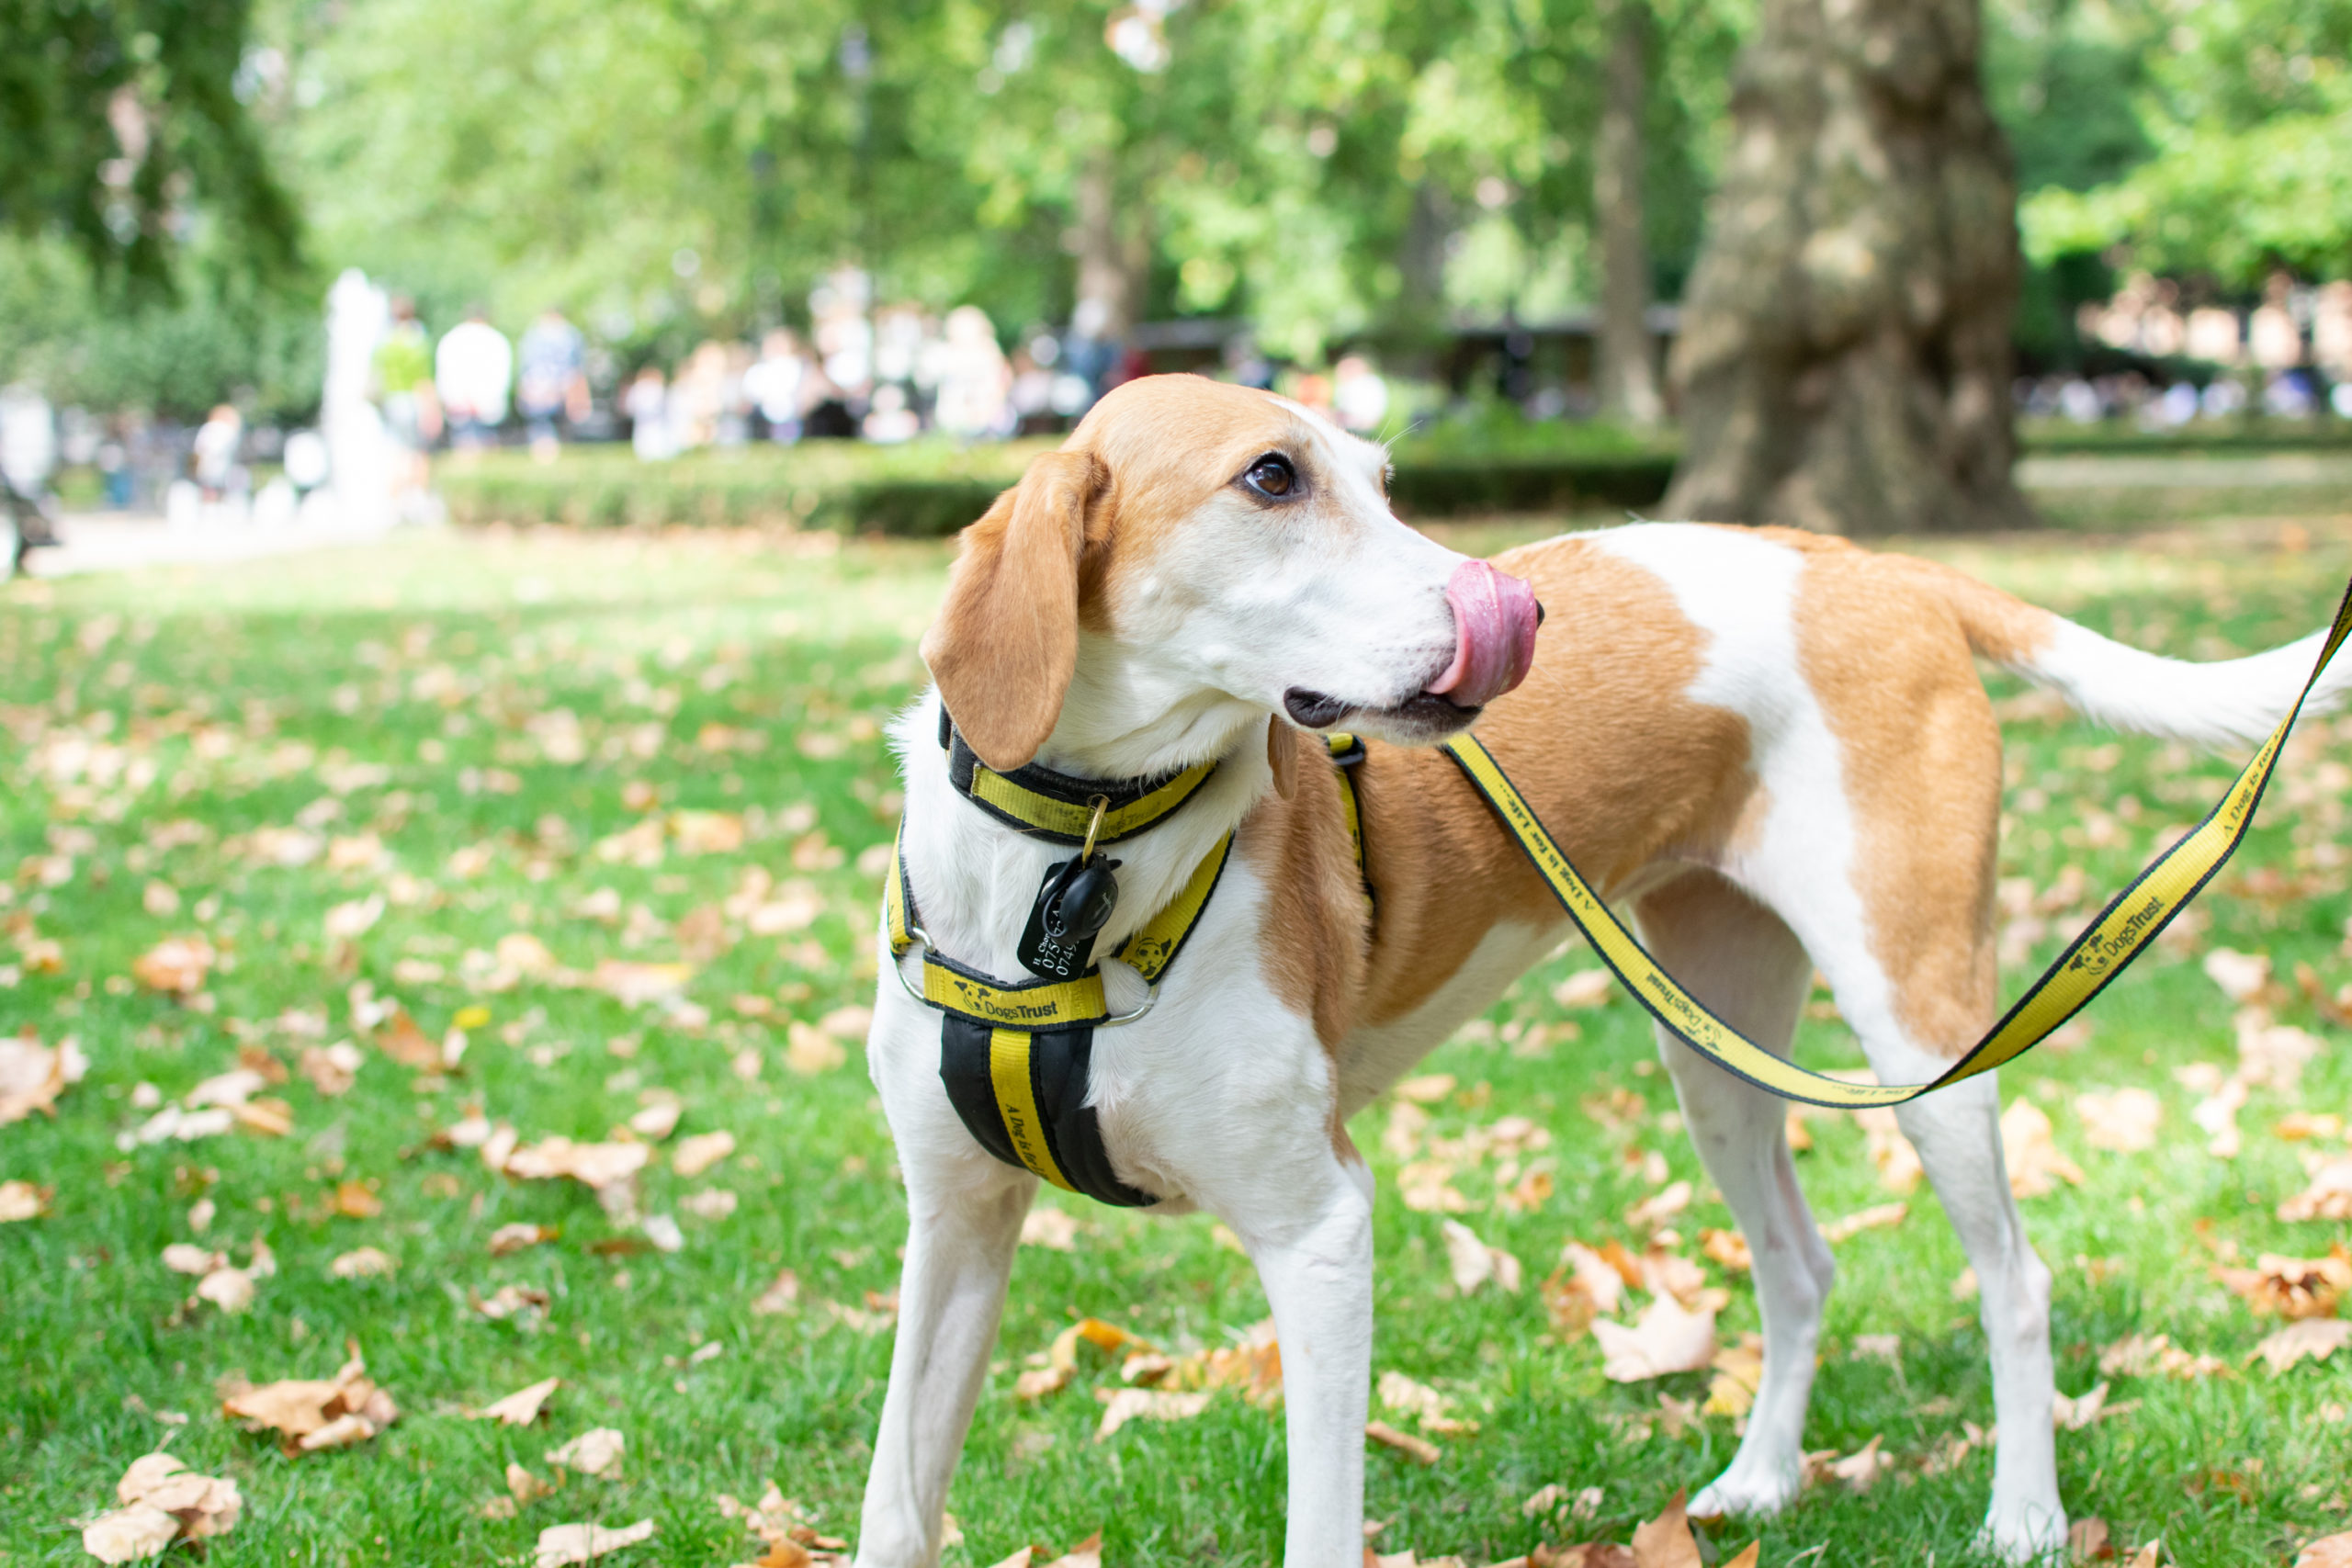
(1628, 377)
(124, 128)
(1843, 360)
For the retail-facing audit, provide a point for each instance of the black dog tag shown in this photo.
(1073, 906)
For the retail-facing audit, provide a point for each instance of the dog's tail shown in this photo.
(2232, 700)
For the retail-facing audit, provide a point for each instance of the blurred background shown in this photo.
(265, 262)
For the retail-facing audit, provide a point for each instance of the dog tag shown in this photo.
(1073, 906)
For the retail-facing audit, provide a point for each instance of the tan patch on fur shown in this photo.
(1312, 938)
(1621, 768)
(1885, 645)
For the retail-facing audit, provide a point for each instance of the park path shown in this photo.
(119, 541)
(2099, 471)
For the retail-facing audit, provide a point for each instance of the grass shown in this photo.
(405, 690)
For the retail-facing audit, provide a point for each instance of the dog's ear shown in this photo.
(1281, 755)
(1006, 640)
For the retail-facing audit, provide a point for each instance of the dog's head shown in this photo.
(1219, 552)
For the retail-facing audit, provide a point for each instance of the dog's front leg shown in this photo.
(1316, 1263)
(964, 1225)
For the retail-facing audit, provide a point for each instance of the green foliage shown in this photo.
(123, 128)
(2247, 111)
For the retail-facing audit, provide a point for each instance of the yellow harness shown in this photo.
(1015, 1056)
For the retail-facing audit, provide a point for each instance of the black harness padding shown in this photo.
(1058, 1060)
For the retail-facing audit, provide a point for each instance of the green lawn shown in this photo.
(630, 746)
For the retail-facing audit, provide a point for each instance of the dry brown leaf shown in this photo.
(636, 984)
(525, 1487)
(1666, 1542)
(331, 1069)
(1421, 1450)
(23, 1200)
(657, 1121)
(302, 1409)
(2074, 1414)
(2329, 1196)
(695, 1155)
(2030, 1151)
(2124, 1122)
(1124, 1404)
(592, 1165)
(2144, 1355)
(1424, 1403)
(1878, 1218)
(1473, 1263)
(782, 1295)
(597, 1451)
(710, 1203)
(512, 1238)
(2294, 1287)
(562, 1544)
(1585, 989)
(231, 1290)
(2315, 1337)
(521, 1408)
(1728, 1248)
(1654, 1212)
(1046, 1226)
(1665, 1340)
(176, 965)
(810, 1051)
(2328, 1552)
(1740, 1372)
(362, 1263)
(1087, 1553)
(2243, 977)
(185, 1258)
(163, 1501)
(33, 1075)
(525, 1303)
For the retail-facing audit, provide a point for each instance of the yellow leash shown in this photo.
(2105, 947)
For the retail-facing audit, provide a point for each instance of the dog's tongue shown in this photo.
(1495, 616)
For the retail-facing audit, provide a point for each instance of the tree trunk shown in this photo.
(1113, 251)
(1628, 389)
(1843, 360)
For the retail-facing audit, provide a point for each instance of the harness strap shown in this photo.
(2105, 949)
(1059, 807)
(1347, 751)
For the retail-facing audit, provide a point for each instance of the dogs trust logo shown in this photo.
(2105, 950)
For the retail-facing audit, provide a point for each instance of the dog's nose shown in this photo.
(1494, 617)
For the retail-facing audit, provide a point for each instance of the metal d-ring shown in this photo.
(920, 941)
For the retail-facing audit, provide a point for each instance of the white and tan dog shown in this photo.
(1772, 746)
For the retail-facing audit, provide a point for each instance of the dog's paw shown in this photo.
(1749, 1492)
(2032, 1534)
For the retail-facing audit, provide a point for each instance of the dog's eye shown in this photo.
(1272, 475)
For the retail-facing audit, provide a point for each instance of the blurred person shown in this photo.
(735, 400)
(2177, 406)
(1089, 361)
(1032, 392)
(698, 397)
(974, 379)
(891, 419)
(553, 382)
(214, 456)
(1358, 394)
(647, 405)
(777, 382)
(2080, 402)
(112, 460)
(27, 457)
(844, 338)
(473, 370)
(410, 404)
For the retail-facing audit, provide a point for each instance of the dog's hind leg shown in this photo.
(964, 1225)
(1739, 959)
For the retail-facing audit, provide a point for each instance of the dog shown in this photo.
(1773, 747)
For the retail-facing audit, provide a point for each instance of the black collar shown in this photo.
(1057, 807)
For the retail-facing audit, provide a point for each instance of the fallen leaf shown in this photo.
(1421, 1450)
(1878, 1218)
(163, 1501)
(1666, 1542)
(2329, 1196)
(2141, 1355)
(1727, 1248)
(657, 1121)
(33, 1075)
(302, 1409)
(1427, 1090)
(1046, 1226)
(521, 1408)
(1739, 1374)
(362, 1263)
(1860, 1470)
(176, 965)
(1664, 1340)
(809, 1051)
(525, 1487)
(635, 985)
(592, 1165)
(2074, 1414)
(331, 1069)
(231, 1290)
(1655, 1211)
(596, 1453)
(1585, 989)
(2294, 1287)
(1424, 1403)
(1473, 1263)
(710, 1203)
(2315, 1337)
(664, 1232)
(1124, 1404)
(2125, 1121)
(521, 1234)
(782, 1295)
(2243, 977)
(561, 1544)
(2030, 1152)
(695, 1155)
(2328, 1552)
(23, 1200)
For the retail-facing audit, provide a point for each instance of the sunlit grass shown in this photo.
(747, 675)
